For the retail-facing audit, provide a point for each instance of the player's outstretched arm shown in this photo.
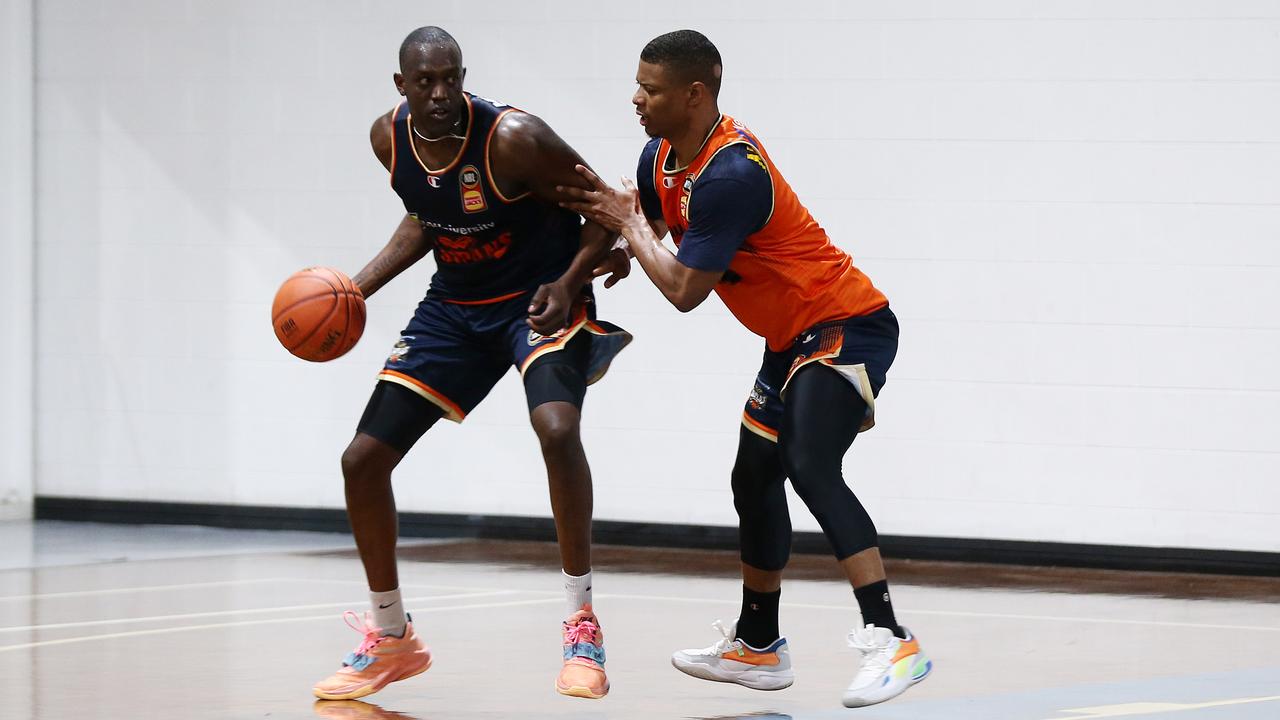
(408, 244)
(528, 156)
(619, 210)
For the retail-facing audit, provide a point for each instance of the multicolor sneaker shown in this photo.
(378, 661)
(890, 665)
(731, 660)
(583, 672)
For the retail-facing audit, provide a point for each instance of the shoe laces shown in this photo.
(874, 643)
(372, 633)
(585, 630)
(729, 630)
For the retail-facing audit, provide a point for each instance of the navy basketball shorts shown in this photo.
(859, 348)
(452, 354)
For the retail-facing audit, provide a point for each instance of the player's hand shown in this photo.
(549, 308)
(617, 265)
(609, 207)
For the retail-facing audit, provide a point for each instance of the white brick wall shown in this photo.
(1073, 206)
(17, 254)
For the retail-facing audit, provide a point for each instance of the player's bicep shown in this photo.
(531, 155)
(382, 140)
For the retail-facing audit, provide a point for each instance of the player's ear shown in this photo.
(698, 94)
(398, 79)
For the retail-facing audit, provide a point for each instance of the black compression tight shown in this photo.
(821, 418)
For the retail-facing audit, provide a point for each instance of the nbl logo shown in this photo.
(470, 176)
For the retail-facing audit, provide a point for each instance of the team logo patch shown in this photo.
(399, 350)
(536, 337)
(472, 195)
(684, 196)
(757, 398)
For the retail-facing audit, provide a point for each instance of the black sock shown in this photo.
(876, 607)
(758, 621)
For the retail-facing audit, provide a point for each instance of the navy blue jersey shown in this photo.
(487, 245)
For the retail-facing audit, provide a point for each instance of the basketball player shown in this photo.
(512, 287)
(830, 338)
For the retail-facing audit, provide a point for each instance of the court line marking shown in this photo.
(649, 598)
(1151, 708)
(215, 583)
(212, 626)
(249, 611)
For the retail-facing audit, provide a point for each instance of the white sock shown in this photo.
(577, 590)
(388, 612)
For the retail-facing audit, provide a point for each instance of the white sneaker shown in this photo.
(731, 660)
(890, 665)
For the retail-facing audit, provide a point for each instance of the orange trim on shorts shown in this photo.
(489, 301)
(580, 321)
(435, 397)
(759, 428)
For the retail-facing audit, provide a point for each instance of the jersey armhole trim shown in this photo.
(488, 167)
(703, 169)
(391, 172)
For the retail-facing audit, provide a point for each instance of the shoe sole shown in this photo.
(753, 679)
(579, 691)
(862, 702)
(367, 690)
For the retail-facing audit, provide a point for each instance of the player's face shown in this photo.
(431, 80)
(661, 101)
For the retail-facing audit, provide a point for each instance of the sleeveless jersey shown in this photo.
(787, 276)
(487, 246)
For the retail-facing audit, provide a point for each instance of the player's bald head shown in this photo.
(689, 55)
(427, 37)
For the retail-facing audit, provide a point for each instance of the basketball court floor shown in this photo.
(100, 621)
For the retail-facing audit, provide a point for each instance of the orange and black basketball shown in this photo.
(318, 314)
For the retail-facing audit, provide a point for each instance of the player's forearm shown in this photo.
(407, 246)
(657, 262)
(594, 246)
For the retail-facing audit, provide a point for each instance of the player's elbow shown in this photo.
(686, 300)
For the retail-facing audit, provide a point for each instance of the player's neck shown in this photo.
(694, 138)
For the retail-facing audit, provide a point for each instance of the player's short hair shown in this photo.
(690, 54)
(425, 37)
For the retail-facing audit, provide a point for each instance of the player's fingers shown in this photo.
(539, 298)
(591, 177)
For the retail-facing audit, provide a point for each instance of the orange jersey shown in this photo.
(787, 275)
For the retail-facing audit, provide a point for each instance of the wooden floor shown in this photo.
(183, 623)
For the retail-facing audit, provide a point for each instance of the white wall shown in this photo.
(1073, 207)
(17, 252)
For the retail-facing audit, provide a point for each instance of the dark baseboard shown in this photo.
(614, 532)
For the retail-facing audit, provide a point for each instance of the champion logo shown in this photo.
(433, 181)
(668, 182)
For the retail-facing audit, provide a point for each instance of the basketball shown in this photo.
(318, 314)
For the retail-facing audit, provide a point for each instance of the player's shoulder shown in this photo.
(737, 161)
(381, 137)
(519, 131)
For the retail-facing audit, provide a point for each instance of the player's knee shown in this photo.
(367, 460)
(558, 431)
(808, 470)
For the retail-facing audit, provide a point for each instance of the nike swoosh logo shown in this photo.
(809, 337)
(384, 607)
